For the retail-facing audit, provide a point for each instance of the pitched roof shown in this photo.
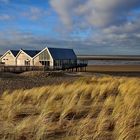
(62, 53)
(14, 52)
(32, 53)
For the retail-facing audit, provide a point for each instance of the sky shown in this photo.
(98, 27)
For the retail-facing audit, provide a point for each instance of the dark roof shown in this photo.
(62, 53)
(32, 53)
(14, 52)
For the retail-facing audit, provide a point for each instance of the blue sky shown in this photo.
(89, 27)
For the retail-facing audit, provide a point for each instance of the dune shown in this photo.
(90, 108)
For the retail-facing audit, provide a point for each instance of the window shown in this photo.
(58, 63)
(44, 56)
(45, 63)
(27, 63)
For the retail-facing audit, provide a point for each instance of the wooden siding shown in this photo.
(8, 59)
(21, 58)
(43, 56)
(36, 61)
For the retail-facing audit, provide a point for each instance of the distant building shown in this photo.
(49, 57)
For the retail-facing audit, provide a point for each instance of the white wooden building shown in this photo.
(49, 57)
(9, 57)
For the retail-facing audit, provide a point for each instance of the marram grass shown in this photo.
(98, 108)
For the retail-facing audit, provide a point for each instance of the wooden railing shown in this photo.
(70, 66)
(19, 69)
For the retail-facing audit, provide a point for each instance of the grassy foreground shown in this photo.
(97, 108)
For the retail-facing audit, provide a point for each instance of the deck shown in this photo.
(73, 67)
(20, 69)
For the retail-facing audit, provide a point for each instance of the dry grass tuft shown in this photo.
(97, 108)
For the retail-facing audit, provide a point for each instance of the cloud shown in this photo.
(4, 17)
(34, 13)
(99, 13)
(62, 7)
(105, 44)
(125, 36)
(4, 1)
(113, 24)
(91, 26)
(13, 39)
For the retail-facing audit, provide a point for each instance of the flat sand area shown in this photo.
(113, 68)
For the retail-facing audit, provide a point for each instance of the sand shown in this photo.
(113, 68)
